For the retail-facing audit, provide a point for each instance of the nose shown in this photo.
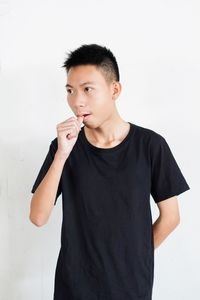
(79, 100)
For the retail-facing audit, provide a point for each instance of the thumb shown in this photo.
(80, 120)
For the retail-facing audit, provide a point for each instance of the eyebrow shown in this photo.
(87, 82)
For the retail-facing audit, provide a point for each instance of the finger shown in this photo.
(80, 120)
(72, 131)
(66, 125)
(69, 119)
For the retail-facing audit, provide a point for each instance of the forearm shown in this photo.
(162, 227)
(43, 199)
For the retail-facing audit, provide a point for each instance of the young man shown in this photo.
(106, 171)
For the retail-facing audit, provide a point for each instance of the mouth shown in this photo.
(85, 117)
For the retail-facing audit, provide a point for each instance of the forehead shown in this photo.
(84, 74)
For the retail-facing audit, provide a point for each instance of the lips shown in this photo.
(83, 114)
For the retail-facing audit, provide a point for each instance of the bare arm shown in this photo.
(167, 221)
(43, 199)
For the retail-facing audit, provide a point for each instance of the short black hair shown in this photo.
(93, 54)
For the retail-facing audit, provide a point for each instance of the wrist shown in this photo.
(61, 157)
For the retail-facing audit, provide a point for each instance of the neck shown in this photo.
(111, 130)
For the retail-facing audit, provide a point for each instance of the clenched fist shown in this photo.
(67, 134)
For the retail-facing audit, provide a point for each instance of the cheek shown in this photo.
(100, 103)
(70, 102)
(101, 98)
(104, 108)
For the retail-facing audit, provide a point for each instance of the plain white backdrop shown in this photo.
(157, 46)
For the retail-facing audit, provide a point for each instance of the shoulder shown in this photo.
(151, 136)
(156, 144)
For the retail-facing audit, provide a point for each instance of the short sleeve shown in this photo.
(45, 166)
(167, 179)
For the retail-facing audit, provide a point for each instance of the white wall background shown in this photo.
(157, 47)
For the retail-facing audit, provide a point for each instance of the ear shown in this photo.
(116, 89)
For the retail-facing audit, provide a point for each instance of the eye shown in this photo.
(69, 91)
(88, 88)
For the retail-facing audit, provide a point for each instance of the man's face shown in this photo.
(89, 92)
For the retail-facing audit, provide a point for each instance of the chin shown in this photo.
(91, 125)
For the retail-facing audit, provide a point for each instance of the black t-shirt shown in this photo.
(107, 249)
